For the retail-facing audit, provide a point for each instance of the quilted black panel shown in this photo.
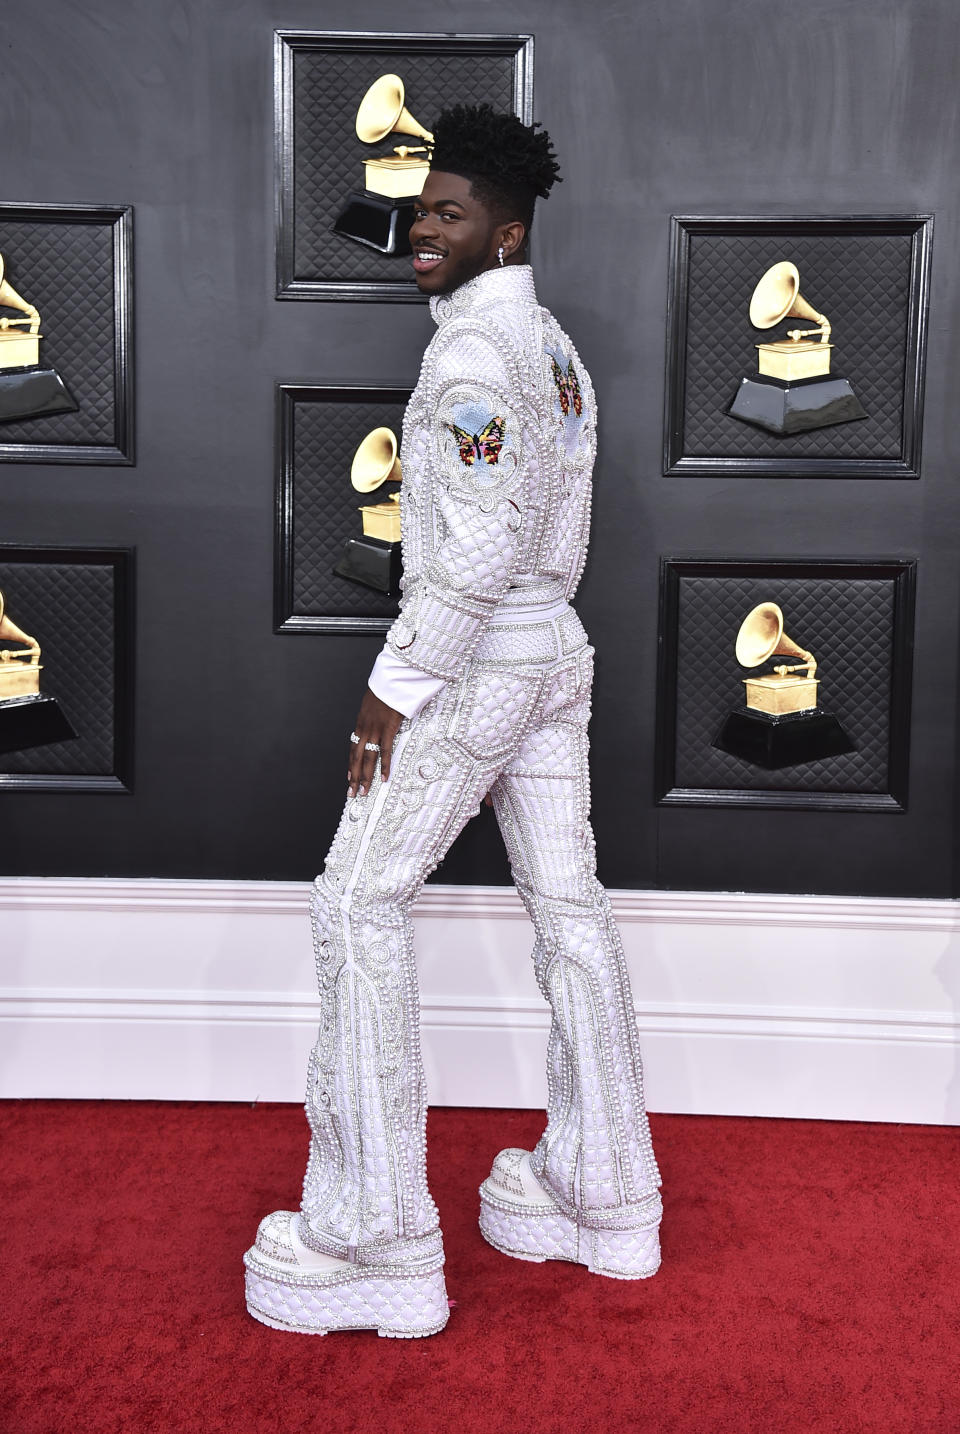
(860, 281)
(69, 608)
(326, 434)
(848, 626)
(328, 164)
(67, 271)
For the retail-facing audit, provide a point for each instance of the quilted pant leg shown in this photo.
(365, 1193)
(596, 1155)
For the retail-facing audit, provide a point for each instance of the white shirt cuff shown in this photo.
(404, 688)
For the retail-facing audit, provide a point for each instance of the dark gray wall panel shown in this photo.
(859, 620)
(320, 81)
(657, 108)
(77, 604)
(873, 277)
(73, 264)
(319, 431)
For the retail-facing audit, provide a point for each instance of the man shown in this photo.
(483, 687)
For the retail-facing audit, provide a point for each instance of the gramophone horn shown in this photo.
(761, 636)
(382, 111)
(375, 461)
(9, 632)
(778, 296)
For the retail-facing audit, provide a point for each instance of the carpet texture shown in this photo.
(811, 1282)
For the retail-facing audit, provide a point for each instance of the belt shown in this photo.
(528, 596)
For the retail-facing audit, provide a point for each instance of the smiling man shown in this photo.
(482, 689)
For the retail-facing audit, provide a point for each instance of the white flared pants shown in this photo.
(516, 725)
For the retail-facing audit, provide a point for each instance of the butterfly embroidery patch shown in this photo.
(483, 447)
(568, 388)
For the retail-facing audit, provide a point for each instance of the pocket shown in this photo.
(567, 689)
(494, 711)
(573, 636)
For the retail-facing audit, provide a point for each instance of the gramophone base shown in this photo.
(32, 722)
(783, 408)
(379, 223)
(33, 393)
(775, 742)
(373, 563)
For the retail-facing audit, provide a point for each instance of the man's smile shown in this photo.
(427, 257)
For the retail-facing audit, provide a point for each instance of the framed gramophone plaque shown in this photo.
(337, 564)
(66, 294)
(74, 608)
(796, 346)
(785, 684)
(346, 106)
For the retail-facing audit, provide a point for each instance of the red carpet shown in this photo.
(811, 1282)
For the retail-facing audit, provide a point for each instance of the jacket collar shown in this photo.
(512, 284)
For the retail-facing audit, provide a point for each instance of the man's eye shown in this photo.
(449, 214)
(419, 214)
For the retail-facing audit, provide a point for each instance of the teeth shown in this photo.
(428, 254)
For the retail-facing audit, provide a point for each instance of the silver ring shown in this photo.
(370, 747)
(354, 738)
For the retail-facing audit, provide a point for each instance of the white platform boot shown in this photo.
(520, 1218)
(292, 1287)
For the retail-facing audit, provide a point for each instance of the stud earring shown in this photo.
(500, 255)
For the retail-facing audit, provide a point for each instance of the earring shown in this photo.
(500, 255)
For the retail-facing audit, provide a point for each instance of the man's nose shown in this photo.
(423, 227)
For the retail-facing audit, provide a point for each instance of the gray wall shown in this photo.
(684, 106)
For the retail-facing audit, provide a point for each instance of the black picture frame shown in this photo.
(117, 367)
(121, 563)
(289, 45)
(794, 460)
(289, 396)
(900, 573)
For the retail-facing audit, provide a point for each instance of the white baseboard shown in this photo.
(824, 1007)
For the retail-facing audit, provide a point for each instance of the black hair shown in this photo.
(507, 162)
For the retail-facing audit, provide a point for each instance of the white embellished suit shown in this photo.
(493, 668)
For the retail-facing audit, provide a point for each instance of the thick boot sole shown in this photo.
(540, 1233)
(396, 1306)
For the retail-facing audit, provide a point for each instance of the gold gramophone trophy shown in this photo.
(793, 390)
(26, 389)
(781, 724)
(381, 217)
(374, 558)
(28, 717)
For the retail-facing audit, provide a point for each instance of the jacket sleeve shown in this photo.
(404, 688)
(477, 478)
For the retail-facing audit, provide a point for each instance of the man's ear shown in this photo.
(512, 236)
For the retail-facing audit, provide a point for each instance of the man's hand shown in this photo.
(376, 723)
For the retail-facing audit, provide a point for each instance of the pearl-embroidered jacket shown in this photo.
(499, 440)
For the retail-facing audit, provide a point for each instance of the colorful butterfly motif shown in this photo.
(485, 445)
(568, 387)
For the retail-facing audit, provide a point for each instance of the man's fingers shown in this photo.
(368, 762)
(377, 724)
(363, 763)
(355, 769)
(367, 769)
(386, 755)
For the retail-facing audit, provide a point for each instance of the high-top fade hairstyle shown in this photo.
(506, 161)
